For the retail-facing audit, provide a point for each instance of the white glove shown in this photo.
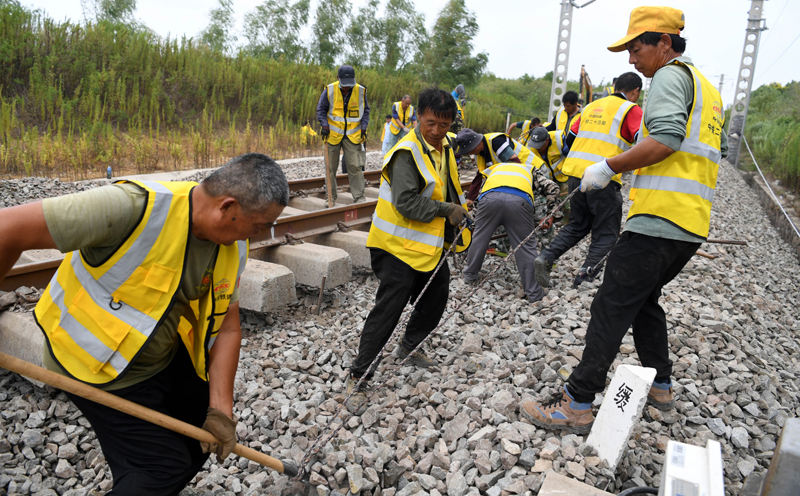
(596, 176)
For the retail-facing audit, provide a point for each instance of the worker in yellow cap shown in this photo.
(676, 160)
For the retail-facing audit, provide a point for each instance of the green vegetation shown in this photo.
(773, 131)
(75, 98)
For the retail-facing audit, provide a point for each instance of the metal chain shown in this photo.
(320, 442)
(314, 449)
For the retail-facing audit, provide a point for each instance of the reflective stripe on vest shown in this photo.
(509, 175)
(552, 168)
(600, 135)
(418, 244)
(526, 156)
(343, 121)
(680, 188)
(97, 319)
(404, 115)
(562, 117)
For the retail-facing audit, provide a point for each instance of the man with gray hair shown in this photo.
(145, 306)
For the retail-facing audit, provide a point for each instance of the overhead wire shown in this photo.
(779, 57)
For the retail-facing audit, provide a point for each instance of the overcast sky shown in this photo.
(520, 36)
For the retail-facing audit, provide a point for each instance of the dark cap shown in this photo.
(347, 76)
(467, 140)
(538, 137)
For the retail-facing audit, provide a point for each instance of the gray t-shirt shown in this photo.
(97, 222)
(666, 115)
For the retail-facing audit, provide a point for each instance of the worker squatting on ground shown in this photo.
(551, 148)
(489, 149)
(676, 166)
(606, 128)
(343, 113)
(307, 133)
(566, 112)
(145, 306)
(507, 199)
(404, 119)
(419, 204)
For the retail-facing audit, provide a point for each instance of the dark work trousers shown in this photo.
(598, 212)
(399, 285)
(517, 216)
(146, 459)
(639, 266)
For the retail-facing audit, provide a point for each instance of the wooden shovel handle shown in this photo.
(125, 406)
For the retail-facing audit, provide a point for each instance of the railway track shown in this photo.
(287, 229)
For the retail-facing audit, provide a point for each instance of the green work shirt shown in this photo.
(97, 222)
(666, 115)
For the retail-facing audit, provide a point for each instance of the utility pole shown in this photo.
(721, 80)
(559, 86)
(755, 25)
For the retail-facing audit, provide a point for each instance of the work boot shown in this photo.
(561, 412)
(357, 403)
(541, 270)
(418, 358)
(661, 396)
(583, 275)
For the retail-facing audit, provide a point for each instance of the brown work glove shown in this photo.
(457, 214)
(224, 429)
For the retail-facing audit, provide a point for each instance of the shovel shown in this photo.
(125, 406)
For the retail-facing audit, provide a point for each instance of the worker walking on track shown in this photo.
(145, 306)
(404, 119)
(490, 149)
(507, 199)
(419, 206)
(566, 112)
(343, 113)
(676, 166)
(606, 128)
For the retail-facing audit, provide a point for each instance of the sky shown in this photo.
(520, 36)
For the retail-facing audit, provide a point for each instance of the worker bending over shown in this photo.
(676, 168)
(507, 199)
(606, 128)
(145, 306)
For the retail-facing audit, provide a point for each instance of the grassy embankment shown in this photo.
(76, 98)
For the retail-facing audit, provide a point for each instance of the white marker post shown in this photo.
(621, 408)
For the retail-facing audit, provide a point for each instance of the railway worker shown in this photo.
(507, 199)
(550, 147)
(404, 119)
(307, 133)
(490, 149)
(566, 112)
(460, 96)
(610, 89)
(419, 206)
(386, 136)
(343, 114)
(606, 128)
(676, 168)
(525, 128)
(145, 306)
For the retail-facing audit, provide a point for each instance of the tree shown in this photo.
(218, 34)
(328, 38)
(447, 59)
(273, 29)
(404, 33)
(116, 11)
(364, 35)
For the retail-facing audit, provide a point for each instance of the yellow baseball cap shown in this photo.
(651, 19)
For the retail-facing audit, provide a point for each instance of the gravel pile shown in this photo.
(457, 429)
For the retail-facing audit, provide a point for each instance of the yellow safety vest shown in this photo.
(461, 110)
(552, 168)
(561, 119)
(343, 121)
(524, 154)
(96, 320)
(600, 135)
(609, 90)
(681, 188)
(419, 244)
(306, 133)
(509, 175)
(405, 116)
